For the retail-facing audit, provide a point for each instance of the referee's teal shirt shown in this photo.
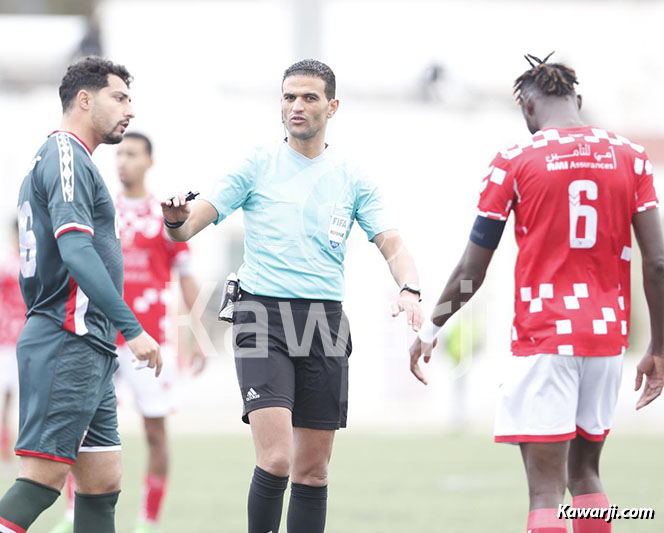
(298, 213)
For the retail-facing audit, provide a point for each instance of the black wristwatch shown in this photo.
(415, 289)
(173, 225)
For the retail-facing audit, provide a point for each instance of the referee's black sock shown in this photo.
(266, 499)
(95, 513)
(307, 509)
(24, 502)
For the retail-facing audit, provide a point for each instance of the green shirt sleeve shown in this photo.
(88, 270)
(69, 186)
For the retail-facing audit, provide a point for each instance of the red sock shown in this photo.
(70, 488)
(155, 487)
(591, 525)
(546, 521)
(5, 446)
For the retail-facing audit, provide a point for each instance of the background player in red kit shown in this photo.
(576, 191)
(149, 259)
(12, 319)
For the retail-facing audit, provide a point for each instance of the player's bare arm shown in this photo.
(404, 272)
(194, 215)
(648, 231)
(464, 282)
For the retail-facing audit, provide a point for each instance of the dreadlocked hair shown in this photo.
(553, 79)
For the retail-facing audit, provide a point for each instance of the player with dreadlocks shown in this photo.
(575, 191)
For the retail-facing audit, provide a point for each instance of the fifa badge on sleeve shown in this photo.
(229, 297)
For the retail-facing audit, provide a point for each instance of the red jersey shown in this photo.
(573, 192)
(149, 255)
(13, 308)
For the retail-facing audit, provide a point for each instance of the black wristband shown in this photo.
(173, 225)
(412, 291)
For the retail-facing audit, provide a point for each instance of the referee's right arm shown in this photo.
(185, 219)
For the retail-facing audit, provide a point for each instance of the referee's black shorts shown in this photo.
(293, 353)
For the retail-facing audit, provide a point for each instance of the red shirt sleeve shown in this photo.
(645, 196)
(178, 255)
(497, 190)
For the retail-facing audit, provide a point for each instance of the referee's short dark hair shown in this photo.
(316, 69)
(89, 73)
(141, 137)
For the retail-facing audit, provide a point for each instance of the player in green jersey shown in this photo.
(71, 280)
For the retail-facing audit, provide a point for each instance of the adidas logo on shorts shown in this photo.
(252, 395)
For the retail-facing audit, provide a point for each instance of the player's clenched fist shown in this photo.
(145, 348)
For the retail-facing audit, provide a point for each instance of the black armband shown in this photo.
(487, 232)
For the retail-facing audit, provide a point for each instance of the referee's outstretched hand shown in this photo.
(176, 208)
(652, 366)
(417, 350)
(145, 348)
(409, 303)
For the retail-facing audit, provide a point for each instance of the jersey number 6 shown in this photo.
(578, 210)
(27, 241)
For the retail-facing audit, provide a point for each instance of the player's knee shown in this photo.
(105, 484)
(157, 440)
(110, 484)
(542, 485)
(314, 477)
(43, 471)
(102, 482)
(583, 471)
(579, 480)
(553, 490)
(276, 462)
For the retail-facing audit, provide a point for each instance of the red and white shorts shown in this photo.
(551, 398)
(154, 397)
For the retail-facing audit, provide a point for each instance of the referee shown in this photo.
(292, 340)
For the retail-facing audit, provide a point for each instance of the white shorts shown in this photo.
(8, 370)
(154, 397)
(551, 398)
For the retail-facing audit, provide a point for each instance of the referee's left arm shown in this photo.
(404, 272)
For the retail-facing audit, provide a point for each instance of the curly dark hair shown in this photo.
(554, 79)
(89, 73)
(316, 69)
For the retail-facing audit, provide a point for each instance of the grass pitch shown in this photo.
(381, 484)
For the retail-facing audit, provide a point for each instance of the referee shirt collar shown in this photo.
(297, 155)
